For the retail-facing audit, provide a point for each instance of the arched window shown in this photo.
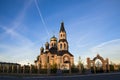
(64, 35)
(64, 46)
(52, 44)
(60, 46)
(61, 35)
(48, 59)
(66, 59)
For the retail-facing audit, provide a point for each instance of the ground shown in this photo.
(104, 76)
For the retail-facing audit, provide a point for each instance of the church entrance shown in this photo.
(66, 62)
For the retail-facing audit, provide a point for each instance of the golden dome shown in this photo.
(46, 44)
(53, 38)
(41, 48)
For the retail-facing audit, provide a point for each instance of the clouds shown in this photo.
(110, 49)
(16, 47)
(19, 49)
(18, 53)
(113, 44)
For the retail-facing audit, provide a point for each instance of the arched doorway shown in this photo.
(66, 61)
(98, 64)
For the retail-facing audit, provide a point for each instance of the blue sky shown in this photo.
(93, 27)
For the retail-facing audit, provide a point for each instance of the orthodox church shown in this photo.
(56, 52)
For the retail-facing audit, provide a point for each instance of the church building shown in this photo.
(56, 52)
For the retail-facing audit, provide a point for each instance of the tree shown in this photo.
(111, 67)
(119, 67)
(80, 65)
(74, 69)
(54, 68)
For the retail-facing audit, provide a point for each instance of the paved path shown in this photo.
(104, 76)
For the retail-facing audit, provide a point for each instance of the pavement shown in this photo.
(103, 76)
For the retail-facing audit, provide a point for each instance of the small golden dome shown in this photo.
(53, 38)
(46, 44)
(41, 48)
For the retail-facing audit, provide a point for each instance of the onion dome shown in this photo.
(46, 44)
(53, 38)
(41, 49)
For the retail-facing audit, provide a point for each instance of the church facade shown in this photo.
(56, 52)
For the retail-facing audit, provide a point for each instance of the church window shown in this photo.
(40, 60)
(60, 46)
(52, 44)
(61, 35)
(48, 59)
(64, 46)
(66, 59)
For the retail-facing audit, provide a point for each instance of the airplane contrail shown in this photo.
(41, 17)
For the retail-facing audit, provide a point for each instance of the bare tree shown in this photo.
(80, 65)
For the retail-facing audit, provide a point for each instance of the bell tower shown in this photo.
(62, 43)
(62, 32)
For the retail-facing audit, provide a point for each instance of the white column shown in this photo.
(3, 67)
(12, 68)
(7, 68)
(23, 69)
(17, 68)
